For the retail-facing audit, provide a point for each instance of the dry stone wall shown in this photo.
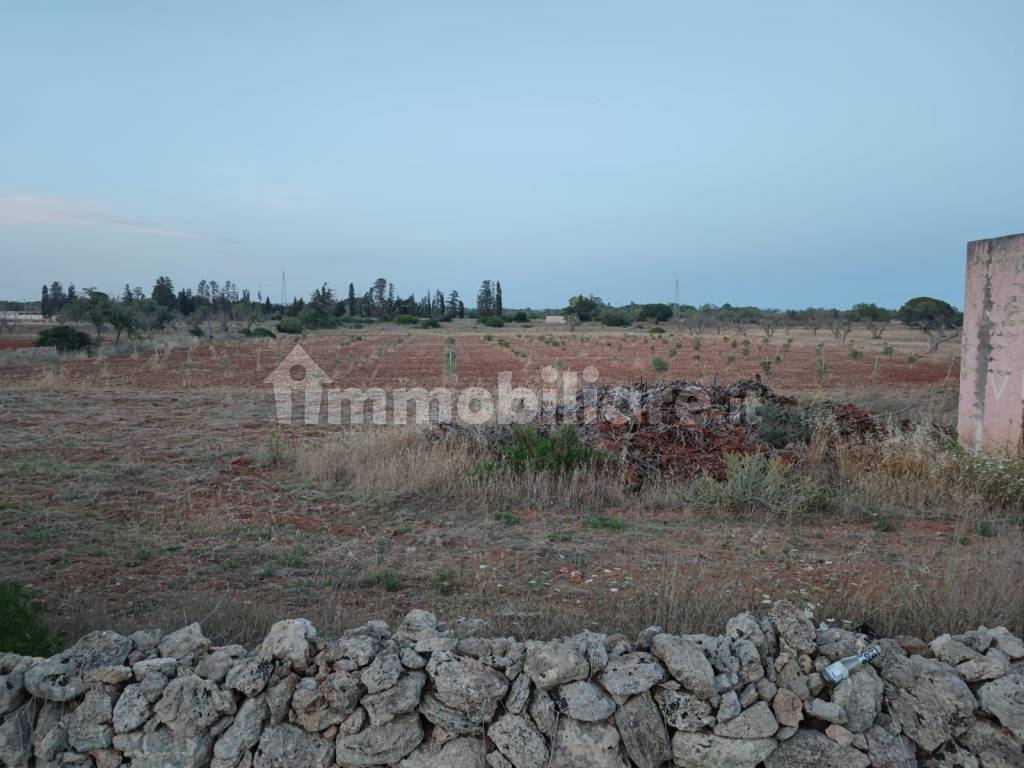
(433, 695)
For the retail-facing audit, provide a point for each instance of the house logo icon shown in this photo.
(298, 373)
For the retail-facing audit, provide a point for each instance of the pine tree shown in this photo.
(485, 299)
(351, 299)
(497, 298)
(44, 303)
(462, 309)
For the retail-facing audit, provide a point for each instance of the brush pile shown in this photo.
(682, 429)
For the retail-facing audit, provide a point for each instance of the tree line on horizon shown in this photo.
(135, 313)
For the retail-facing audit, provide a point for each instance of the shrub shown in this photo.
(656, 330)
(404, 320)
(429, 322)
(780, 427)
(559, 451)
(492, 321)
(289, 325)
(521, 317)
(22, 627)
(64, 338)
(196, 331)
(760, 485)
(614, 318)
(658, 365)
(260, 333)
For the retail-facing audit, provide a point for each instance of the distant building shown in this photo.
(555, 319)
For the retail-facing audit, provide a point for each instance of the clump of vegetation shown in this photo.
(23, 628)
(520, 317)
(658, 364)
(760, 485)
(429, 322)
(656, 330)
(615, 318)
(64, 338)
(492, 321)
(404, 320)
(559, 452)
(780, 427)
(259, 332)
(289, 325)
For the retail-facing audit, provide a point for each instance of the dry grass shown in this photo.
(396, 464)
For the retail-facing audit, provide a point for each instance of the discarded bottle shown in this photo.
(840, 670)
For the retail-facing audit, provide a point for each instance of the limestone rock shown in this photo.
(684, 711)
(89, 725)
(813, 749)
(793, 627)
(585, 702)
(929, 700)
(828, 711)
(310, 708)
(951, 755)
(290, 641)
(555, 663)
(184, 643)
(467, 685)
(250, 676)
(132, 709)
(703, 750)
(841, 736)
(632, 673)
(518, 695)
(242, 735)
(643, 732)
(757, 722)
(383, 672)
(542, 711)
(62, 677)
(191, 705)
(279, 699)
(163, 748)
(887, 749)
(12, 692)
(216, 664)
(728, 706)
(416, 625)
(462, 752)
(586, 745)
(788, 707)
(1008, 643)
(287, 746)
(16, 737)
(950, 651)
(993, 747)
(519, 741)
(860, 696)
(687, 663)
(993, 664)
(400, 699)
(448, 718)
(1004, 699)
(381, 744)
(745, 626)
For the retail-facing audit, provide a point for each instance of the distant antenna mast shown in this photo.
(283, 284)
(676, 305)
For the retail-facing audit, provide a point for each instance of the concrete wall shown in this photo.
(992, 371)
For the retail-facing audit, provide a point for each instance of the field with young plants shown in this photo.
(151, 485)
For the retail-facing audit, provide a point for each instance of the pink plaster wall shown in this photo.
(992, 371)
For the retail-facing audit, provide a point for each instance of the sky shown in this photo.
(782, 154)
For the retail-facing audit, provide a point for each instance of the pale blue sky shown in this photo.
(772, 153)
